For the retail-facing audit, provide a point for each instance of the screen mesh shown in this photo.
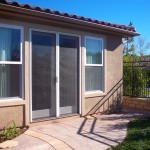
(43, 73)
(69, 49)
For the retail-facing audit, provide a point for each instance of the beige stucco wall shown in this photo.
(112, 74)
(8, 114)
(110, 100)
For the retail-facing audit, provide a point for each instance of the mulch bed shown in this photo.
(20, 130)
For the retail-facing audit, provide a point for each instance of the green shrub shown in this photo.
(9, 132)
(135, 78)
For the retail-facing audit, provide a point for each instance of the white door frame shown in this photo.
(57, 76)
(57, 70)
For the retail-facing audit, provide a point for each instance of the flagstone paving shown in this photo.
(96, 132)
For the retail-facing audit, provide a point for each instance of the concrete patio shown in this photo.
(96, 132)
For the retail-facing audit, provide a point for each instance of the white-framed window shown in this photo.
(93, 64)
(11, 61)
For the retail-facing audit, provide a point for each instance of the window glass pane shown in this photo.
(69, 41)
(10, 81)
(93, 51)
(9, 44)
(93, 78)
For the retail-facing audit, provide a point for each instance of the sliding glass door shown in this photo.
(69, 49)
(43, 75)
(49, 100)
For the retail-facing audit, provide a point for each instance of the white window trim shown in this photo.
(10, 99)
(21, 43)
(98, 39)
(7, 99)
(95, 65)
(94, 92)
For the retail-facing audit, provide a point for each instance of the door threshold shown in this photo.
(43, 121)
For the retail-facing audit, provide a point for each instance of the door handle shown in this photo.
(56, 79)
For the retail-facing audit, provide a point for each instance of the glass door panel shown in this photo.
(69, 51)
(43, 75)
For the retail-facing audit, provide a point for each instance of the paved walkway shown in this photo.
(96, 132)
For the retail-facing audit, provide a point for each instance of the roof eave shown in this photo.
(124, 33)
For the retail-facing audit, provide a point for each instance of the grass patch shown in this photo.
(138, 136)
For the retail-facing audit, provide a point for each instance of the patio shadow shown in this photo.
(96, 136)
(111, 102)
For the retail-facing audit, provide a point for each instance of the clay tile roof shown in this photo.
(81, 18)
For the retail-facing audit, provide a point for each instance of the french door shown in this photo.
(54, 74)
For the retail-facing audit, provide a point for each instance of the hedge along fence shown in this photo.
(136, 104)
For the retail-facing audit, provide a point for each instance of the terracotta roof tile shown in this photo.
(36, 8)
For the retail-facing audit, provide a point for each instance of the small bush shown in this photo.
(9, 132)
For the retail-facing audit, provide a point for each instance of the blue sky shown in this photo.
(115, 11)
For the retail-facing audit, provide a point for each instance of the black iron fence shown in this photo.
(136, 79)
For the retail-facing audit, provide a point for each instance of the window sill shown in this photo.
(11, 102)
(94, 94)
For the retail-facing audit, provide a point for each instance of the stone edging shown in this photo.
(136, 104)
(54, 142)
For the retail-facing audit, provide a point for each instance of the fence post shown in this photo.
(132, 79)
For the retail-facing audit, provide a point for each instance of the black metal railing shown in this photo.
(136, 79)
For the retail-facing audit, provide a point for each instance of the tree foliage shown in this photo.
(136, 76)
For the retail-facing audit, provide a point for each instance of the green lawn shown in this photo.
(138, 136)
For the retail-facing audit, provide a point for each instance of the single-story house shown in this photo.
(55, 64)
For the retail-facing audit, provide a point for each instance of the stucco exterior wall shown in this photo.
(91, 103)
(111, 99)
(12, 113)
